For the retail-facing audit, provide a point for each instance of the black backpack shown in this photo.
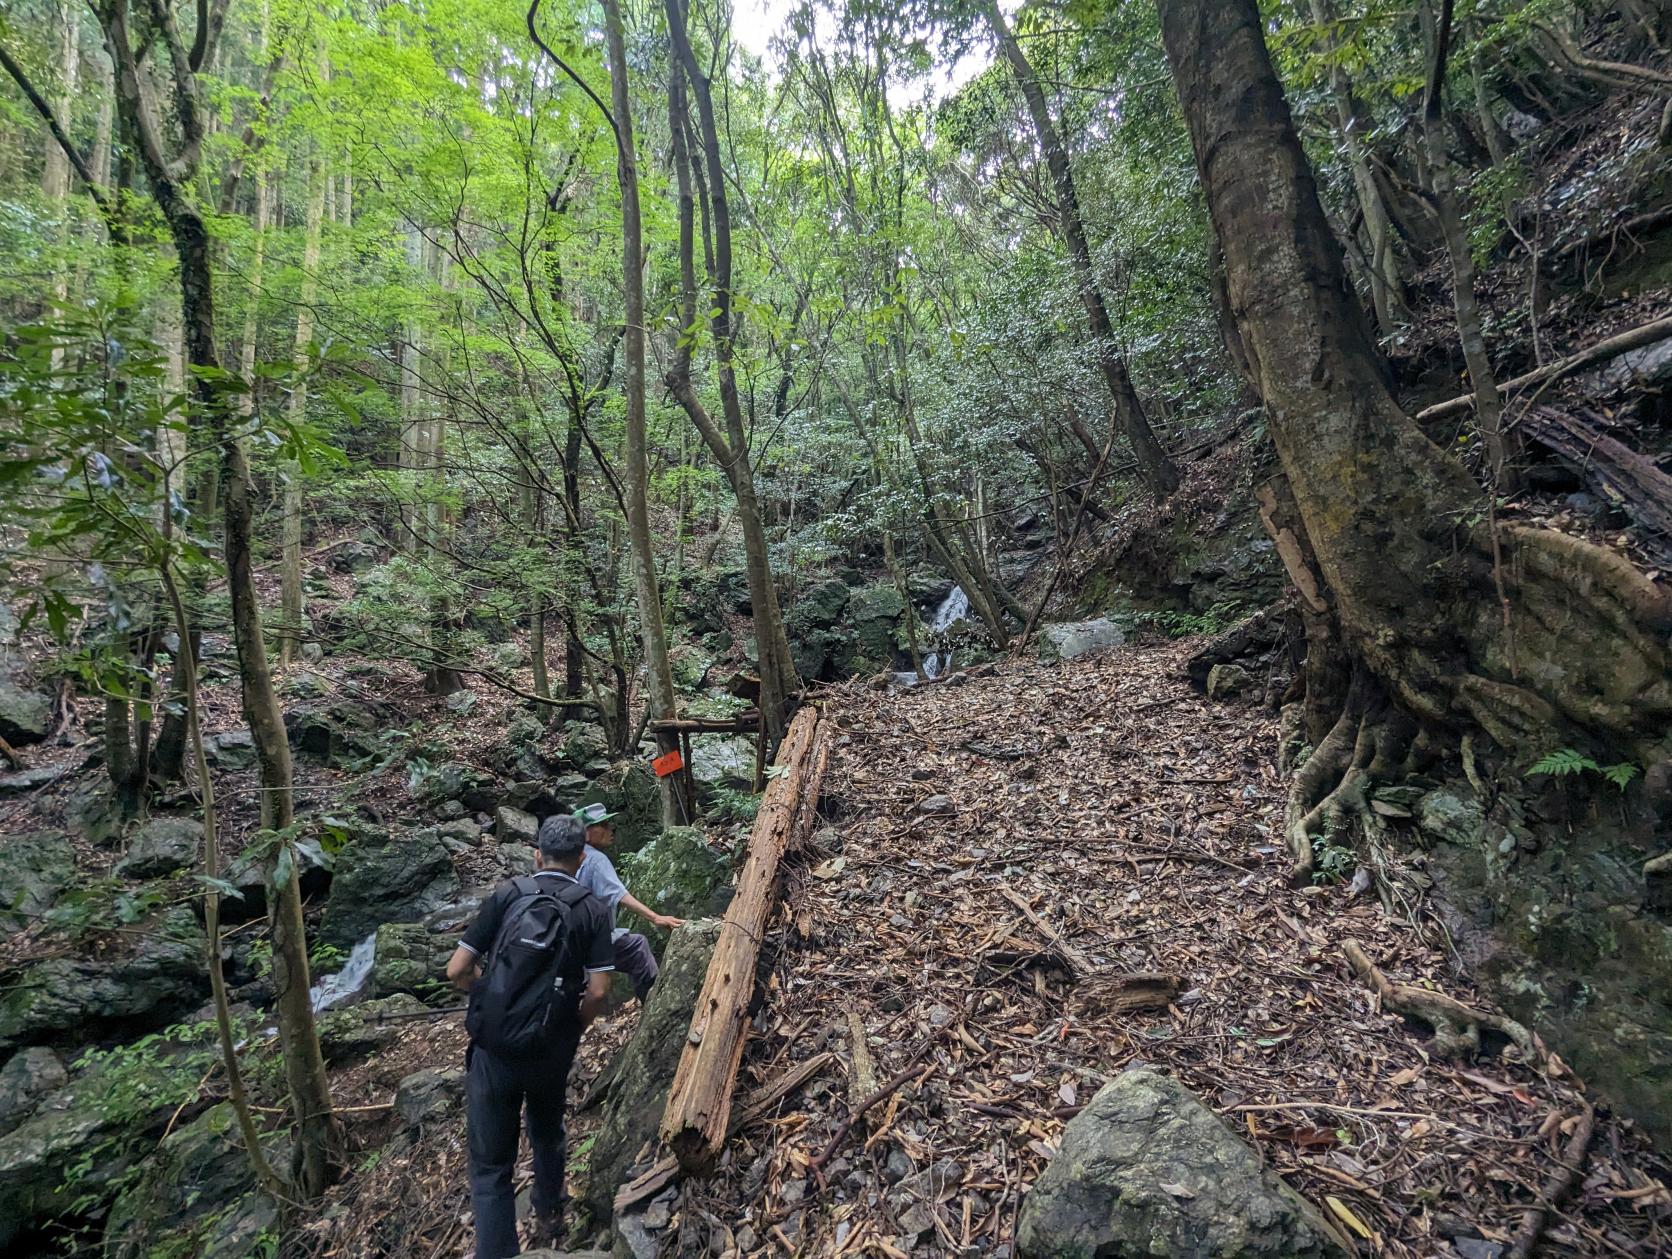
(521, 998)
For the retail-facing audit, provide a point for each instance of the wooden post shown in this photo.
(695, 1122)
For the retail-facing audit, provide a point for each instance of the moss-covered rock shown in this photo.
(361, 1029)
(160, 847)
(36, 871)
(156, 976)
(1147, 1171)
(628, 789)
(413, 959)
(196, 1196)
(678, 873)
(633, 1110)
(387, 877)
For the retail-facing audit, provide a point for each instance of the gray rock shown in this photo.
(429, 1095)
(413, 959)
(628, 789)
(36, 1156)
(306, 684)
(160, 847)
(34, 777)
(232, 750)
(678, 873)
(196, 1195)
(357, 1030)
(820, 606)
(383, 878)
(1452, 815)
(514, 826)
(633, 1111)
(936, 804)
(724, 762)
(353, 557)
(461, 702)
(1148, 1171)
(1067, 640)
(29, 1075)
(1226, 680)
(333, 731)
(313, 653)
(35, 873)
(455, 780)
(25, 709)
(158, 976)
(512, 860)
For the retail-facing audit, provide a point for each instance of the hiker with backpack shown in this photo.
(537, 964)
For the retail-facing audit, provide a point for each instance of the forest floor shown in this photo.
(1139, 824)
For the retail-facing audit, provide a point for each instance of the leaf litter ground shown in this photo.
(1139, 823)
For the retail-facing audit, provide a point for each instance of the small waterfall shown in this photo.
(954, 608)
(332, 990)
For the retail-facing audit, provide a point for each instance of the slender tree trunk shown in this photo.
(1532, 636)
(293, 610)
(731, 447)
(1387, 292)
(1483, 380)
(319, 1147)
(265, 1176)
(55, 175)
(675, 810)
(1157, 469)
(412, 438)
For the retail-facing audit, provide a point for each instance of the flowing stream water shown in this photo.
(330, 990)
(954, 608)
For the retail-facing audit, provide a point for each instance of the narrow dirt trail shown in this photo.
(1138, 823)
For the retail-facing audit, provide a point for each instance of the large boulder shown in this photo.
(644, 1073)
(45, 1166)
(387, 877)
(248, 873)
(430, 1095)
(873, 617)
(357, 1030)
(819, 606)
(678, 873)
(160, 847)
(196, 1195)
(231, 750)
(724, 760)
(332, 730)
(36, 871)
(156, 976)
(1147, 1171)
(1067, 640)
(457, 780)
(628, 790)
(28, 1076)
(25, 709)
(413, 959)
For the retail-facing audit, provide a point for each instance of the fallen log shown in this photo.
(746, 722)
(698, 1113)
(1556, 1187)
(662, 1173)
(1607, 348)
(1614, 470)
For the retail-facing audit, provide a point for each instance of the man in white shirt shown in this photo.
(633, 956)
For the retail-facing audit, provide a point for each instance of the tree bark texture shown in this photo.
(319, 1148)
(1158, 471)
(645, 584)
(779, 680)
(292, 607)
(1531, 635)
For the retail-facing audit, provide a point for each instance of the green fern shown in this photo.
(1565, 762)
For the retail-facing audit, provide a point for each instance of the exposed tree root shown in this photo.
(1457, 1027)
(1556, 1188)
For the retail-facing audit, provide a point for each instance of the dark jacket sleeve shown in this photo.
(600, 942)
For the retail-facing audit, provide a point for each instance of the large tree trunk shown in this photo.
(1536, 637)
(319, 1145)
(675, 810)
(1154, 466)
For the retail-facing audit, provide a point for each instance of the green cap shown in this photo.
(593, 814)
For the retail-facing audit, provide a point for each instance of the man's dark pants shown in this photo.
(496, 1089)
(634, 959)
